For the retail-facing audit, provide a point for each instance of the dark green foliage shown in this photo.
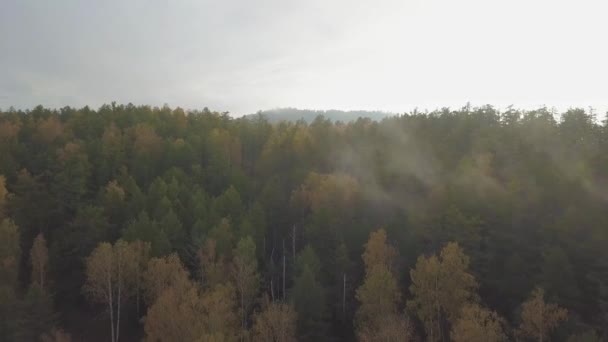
(36, 315)
(309, 298)
(144, 229)
(70, 244)
(9, 321)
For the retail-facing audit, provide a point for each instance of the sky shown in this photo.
(249, 55)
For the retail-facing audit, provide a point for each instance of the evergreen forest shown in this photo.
(131, 223)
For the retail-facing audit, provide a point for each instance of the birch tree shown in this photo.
(478, 324)
(245, 276)
(377, 318)
(275, 323)
(441, 286)
(110, 280)
(163, 273)
(539, 319)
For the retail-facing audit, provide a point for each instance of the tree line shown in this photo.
(135, 222)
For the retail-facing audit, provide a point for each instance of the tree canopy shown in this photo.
(128, 222)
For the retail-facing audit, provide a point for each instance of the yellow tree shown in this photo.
(378, 252)
(163, 273)
(220, 312)
(478, 324)
(379, 296)
(539, 319)
(391, 328)
(377, 317)
(48, 130)
(175, 315)
(183, 313)
(110, 280)
(212, 264)
(275, 323)
(39, 257)
(441, 286)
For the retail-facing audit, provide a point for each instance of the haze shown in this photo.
(244, 56)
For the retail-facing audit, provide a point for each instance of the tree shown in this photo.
(172, 228)
(184, 314)
(69, 185)
(70, 245)
(478, 324)
(162, 273)
(3, 196)
(144, 229)
(390, 328)
(309, 301)
(10, 253)
(212, 265)
(558, 277)
(223, 236)
(539, 319)
(113, 200)
(110, 271)
(441, 286)
(379, 297)
(245, 276)
(36, 314)
(9, 305)
(378, 252)
(379, 294)
(39, 257)
(275, 323)
(174, 316)
(220, 312)
(307, 258)
(141, 253)
(229, 205)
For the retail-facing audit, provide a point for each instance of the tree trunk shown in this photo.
(271, 290)
(284, 270)
(244, 313)
(110, 302)
(293, 242)
(344, 297)
(118, 301)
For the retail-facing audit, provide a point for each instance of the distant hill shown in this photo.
(294, 114)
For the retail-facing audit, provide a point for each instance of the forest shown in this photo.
(130, 223)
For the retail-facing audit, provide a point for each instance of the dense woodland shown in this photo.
(131, 222)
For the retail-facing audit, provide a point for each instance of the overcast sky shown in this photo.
(247, 55)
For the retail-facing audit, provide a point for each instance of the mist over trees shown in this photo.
(131, 223)
(294, 114)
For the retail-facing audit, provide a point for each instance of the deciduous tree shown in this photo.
(539, 319)
(275, 323)
(441, 286)
(162, 273)
(110, 270)
(478, 324)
